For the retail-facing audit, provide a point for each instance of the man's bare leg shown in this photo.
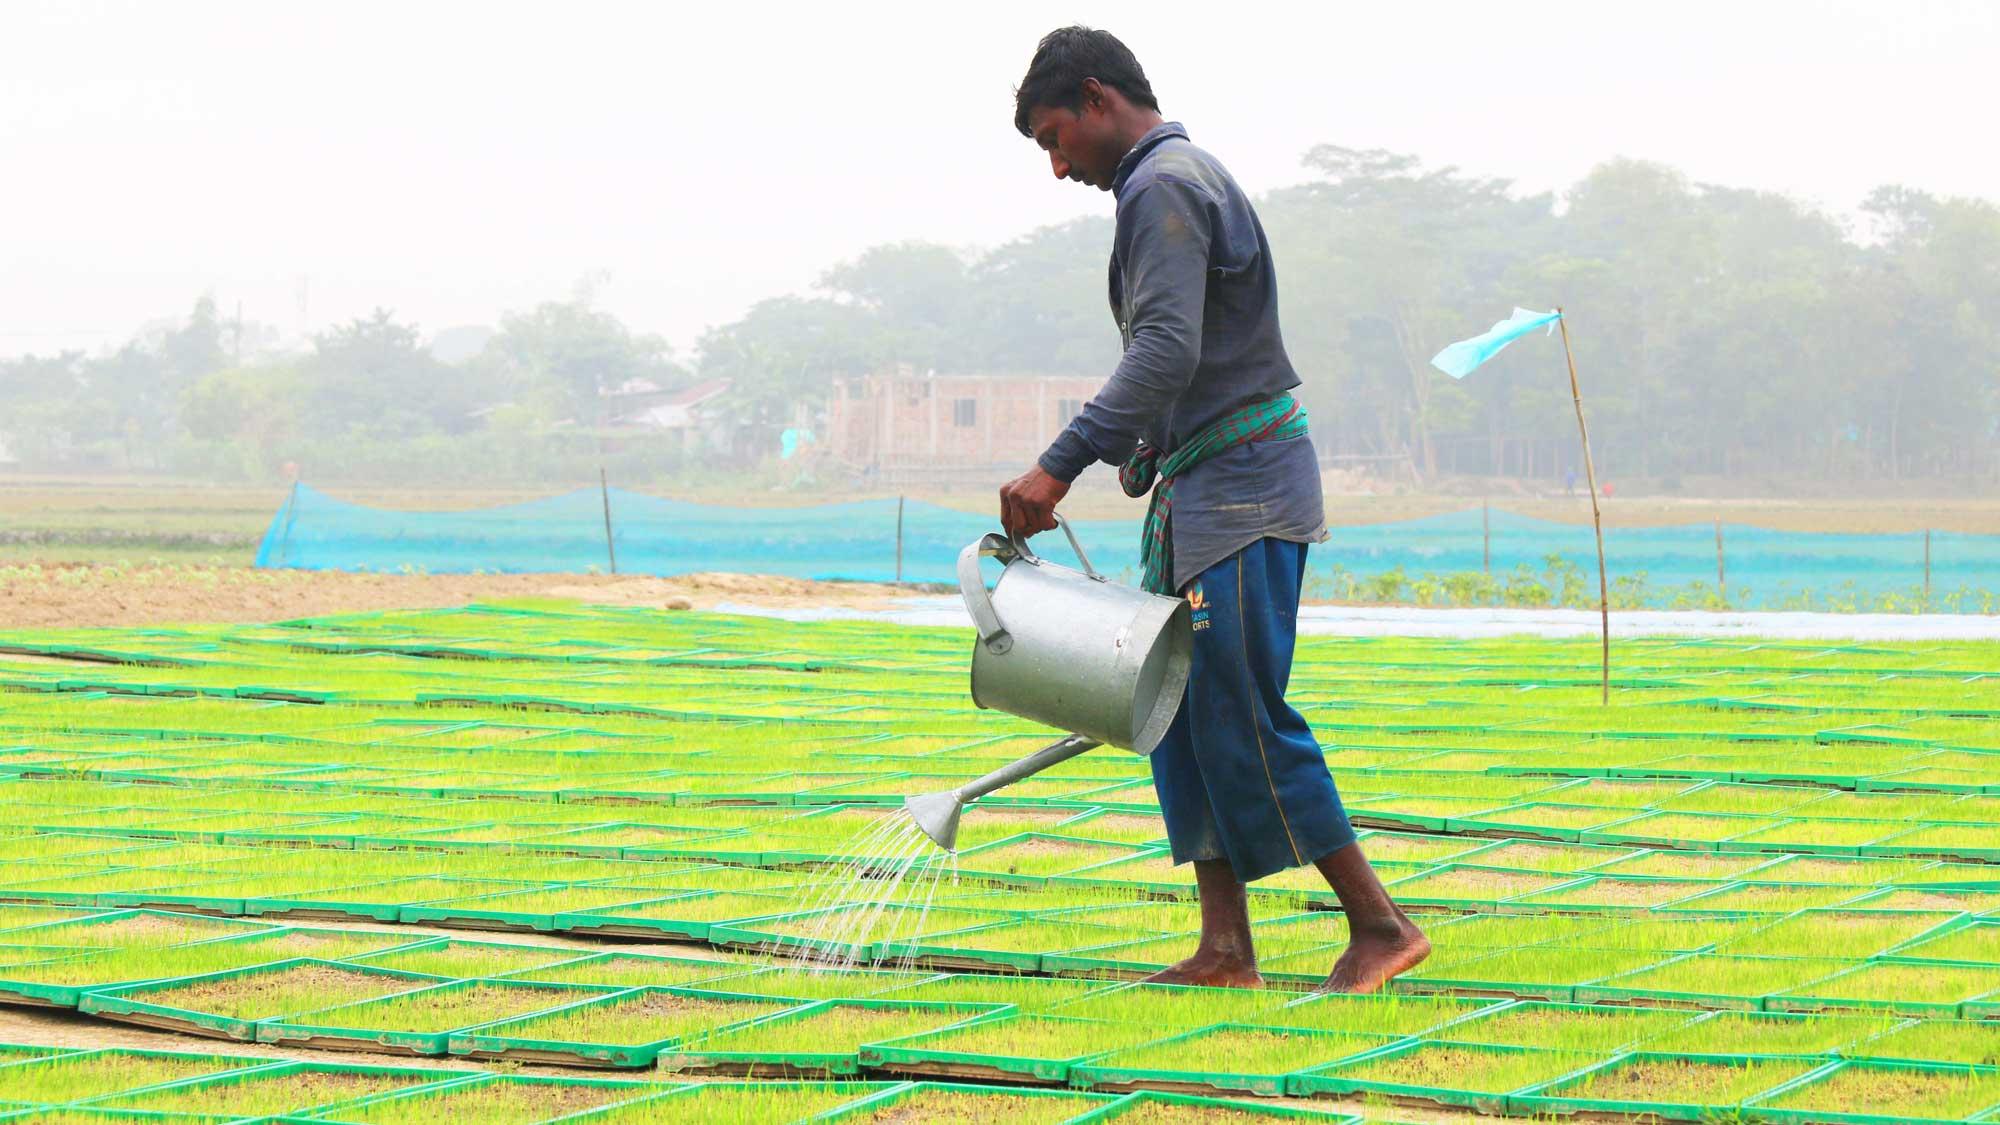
(1382, 941)
(1225, 957)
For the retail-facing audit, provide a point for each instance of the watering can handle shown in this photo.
(972, 588)
(1020, 547)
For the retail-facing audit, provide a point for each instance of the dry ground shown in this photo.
(81, 596)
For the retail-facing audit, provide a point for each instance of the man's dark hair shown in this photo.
(1067, 56)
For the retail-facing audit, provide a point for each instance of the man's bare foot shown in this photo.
(1373, 959)
(1210, 970)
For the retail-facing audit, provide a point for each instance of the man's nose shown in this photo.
(1060, 165)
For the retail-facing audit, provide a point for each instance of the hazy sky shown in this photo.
(453, 160)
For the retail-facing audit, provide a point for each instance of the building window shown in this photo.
(964, 411)
(1066, 409)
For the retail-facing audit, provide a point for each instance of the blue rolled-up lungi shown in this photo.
(1239, 773)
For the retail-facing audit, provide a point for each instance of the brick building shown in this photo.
(908, 425)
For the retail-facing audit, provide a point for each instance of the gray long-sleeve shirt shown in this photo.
(1196, 301)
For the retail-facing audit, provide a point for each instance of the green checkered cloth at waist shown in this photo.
(1272, 420)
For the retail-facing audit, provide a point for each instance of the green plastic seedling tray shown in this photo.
(125, 1004)
(1147, 1099)
(599, 924)
(1764, 1108)
(888, 1099)
(1102, 961)
(218, 906)
(1802, 999)
(1549, 1098)
(701, 1058)
(745, 933)
(1336, 1079)
(491, 1041)
(910, 1055)
(278, 1070)
(305, 1030)
(34, 1115)
(639, 1090)
(326, 909)
(225, 1065)
(930, 954)
(1104, 1073)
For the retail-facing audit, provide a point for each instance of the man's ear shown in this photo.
(1093, 95)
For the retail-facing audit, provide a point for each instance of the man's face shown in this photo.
(1080, 143)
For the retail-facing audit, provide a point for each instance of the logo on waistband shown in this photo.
(1199, 604)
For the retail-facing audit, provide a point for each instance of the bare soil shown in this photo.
(83, 595)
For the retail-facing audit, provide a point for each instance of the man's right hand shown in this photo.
(1028, 502)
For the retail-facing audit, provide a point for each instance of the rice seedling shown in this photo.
(1902, 1093)
(951, 1105)
(453, 958)
(833, 1028)
(1236, 1049)
(1978, 942)
(1030, 1037)
(1450, 1066)
(1950, 1041)
(1919, 983)
(1721, 975)
(1029, 994)
(1709, 1083)
(1169, 1006)
(1569, 1027)
(628, 970)
(495, 1100)
(446, 1007)
(738, 1103)
(1761, 1033)
(640, 1018)
(286, 1089)
(1852, 933)
(293, 987)
(71, 1078)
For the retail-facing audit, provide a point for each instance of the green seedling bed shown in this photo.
(419, 1022)
(1225, 1058)
(624, 1029)
(496, 1099)
(943, 1103)
(286, 1088)
(1154, 1108)
(820, 1040)
(92, 1074)
(229, 1004)
(1864, 1093)
(1442, 1073)
(1665, 1086)
(1003, 1048)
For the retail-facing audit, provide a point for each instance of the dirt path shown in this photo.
(78, 596)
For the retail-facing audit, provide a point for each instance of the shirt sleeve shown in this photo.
(1163, 236)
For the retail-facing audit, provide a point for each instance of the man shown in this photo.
(1200, 402)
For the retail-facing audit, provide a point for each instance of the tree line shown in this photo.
(1720, 332)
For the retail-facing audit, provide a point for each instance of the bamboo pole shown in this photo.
(604, 489)
(1596, 517)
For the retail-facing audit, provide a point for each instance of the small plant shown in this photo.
(262, 995)
(1569, 1027)
(444, 1008)
(1891, 1091)
(285, 1091)
(1453, 1067)
(495, 1101)
(473, 959)
(1719, 1083)
(1238, 1050)
(71, 1078)
(651, 1016)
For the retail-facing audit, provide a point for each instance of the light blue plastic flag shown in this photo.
(1460, 359)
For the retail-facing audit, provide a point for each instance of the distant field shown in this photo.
(130, 520)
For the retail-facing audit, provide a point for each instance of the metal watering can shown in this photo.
(1067, 648)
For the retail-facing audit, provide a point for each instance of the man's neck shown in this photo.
(1134, 129)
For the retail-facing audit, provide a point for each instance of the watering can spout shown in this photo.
(937, 813)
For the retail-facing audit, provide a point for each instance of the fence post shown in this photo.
(1721, 572)
(899, 540)
(604, 489)
(1486, 537)
(1927, 570)
(285, 540)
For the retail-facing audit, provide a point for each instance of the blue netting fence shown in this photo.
(858, 540)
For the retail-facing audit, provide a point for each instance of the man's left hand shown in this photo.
(1028, 502)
